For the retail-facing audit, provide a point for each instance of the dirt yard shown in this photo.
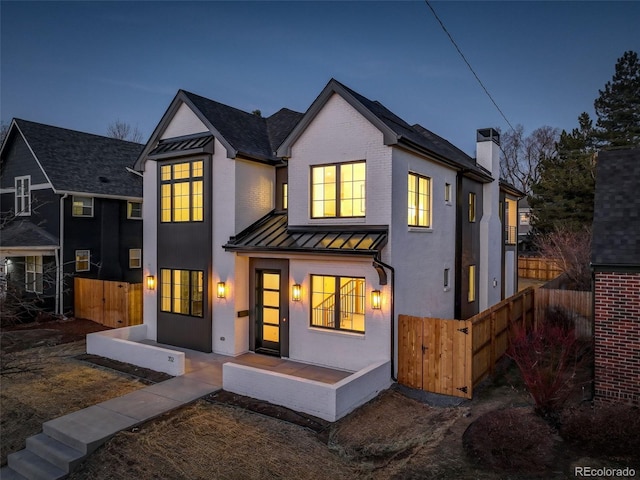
(391, 437)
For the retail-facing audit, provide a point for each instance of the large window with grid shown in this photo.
(33, 274)
(338, 302)
(419, 200)
(182, 291)
(338, 190)
(182, 192)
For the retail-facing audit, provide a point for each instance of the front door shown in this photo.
(269, 328)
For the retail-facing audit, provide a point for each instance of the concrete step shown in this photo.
(87, 429)
(55, 452)
(30, 465)
(8, 473)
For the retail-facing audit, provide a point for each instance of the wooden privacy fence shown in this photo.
(113, 304)
(452, 356)
(538, 268)
(579, 305)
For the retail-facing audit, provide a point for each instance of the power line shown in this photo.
(468, 64)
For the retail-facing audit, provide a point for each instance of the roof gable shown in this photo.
(241, 133)
(395, 130)
(82, 162)
(616, 219)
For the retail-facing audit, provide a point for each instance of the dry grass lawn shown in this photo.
(56, 384)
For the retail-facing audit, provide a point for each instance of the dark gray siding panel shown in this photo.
(17, 161)
(130, 237)
(188, 246)
(470, 248)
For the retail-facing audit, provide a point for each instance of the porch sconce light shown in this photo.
(151, 282)
(376, 301)
(296, 292)
(221, 289)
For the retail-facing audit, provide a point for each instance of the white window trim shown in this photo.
(130, 217)
(32, 286)
(138, 258)
(73, 199)
(88, 254)
(423, 228)
(22, 212)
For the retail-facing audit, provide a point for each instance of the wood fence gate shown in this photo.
(435, 355)
(113, 304)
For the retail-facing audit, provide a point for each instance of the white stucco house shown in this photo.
(303, 236)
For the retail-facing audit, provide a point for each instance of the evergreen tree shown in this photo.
(618, 106)
(563, 195)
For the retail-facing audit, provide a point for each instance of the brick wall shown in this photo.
(617, 337)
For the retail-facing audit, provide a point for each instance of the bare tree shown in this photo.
(571, 249)
(123, 131)
(521, 155)
(4, 131)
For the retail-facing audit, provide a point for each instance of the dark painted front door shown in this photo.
(270, 310)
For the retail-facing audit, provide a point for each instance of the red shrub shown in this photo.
(547, 358)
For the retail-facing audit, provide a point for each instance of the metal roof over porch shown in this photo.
(272, 233)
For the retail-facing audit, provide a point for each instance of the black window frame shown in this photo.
(337, 314)
(190, 298)
(338, 198)
(190, 179)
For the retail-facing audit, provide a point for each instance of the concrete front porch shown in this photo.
(326, 393)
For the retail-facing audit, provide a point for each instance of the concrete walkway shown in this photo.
(67, 440)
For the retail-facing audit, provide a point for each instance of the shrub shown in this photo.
(512, 439)
(548, 358)
(603, 430)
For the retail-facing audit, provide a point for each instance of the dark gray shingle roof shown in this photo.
(23, 233)
(249, 134)
(616, 220)
(417, 134)
(82, 162)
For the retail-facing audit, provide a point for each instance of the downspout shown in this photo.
(378, 263)
(59, 288)
(457, 288)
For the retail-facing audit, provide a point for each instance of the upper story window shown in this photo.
(285, 196)
(472, 207)
(82, 207)
(182, 192)
(419, 201)
(338, 302)
(511, 221)
(23, 195)
(134, 210)
(338, 190)
(525, 218)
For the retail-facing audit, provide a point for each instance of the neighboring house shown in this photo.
(615, 260)
(71, 206)
(305, 235)
(524, 223)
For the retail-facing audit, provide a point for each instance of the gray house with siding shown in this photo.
(71, 207)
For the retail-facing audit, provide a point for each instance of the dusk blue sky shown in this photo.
(82, 65)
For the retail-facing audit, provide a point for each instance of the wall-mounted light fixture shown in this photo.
(376, 300)
(296, 292)
(221, 289)
(151, 282)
